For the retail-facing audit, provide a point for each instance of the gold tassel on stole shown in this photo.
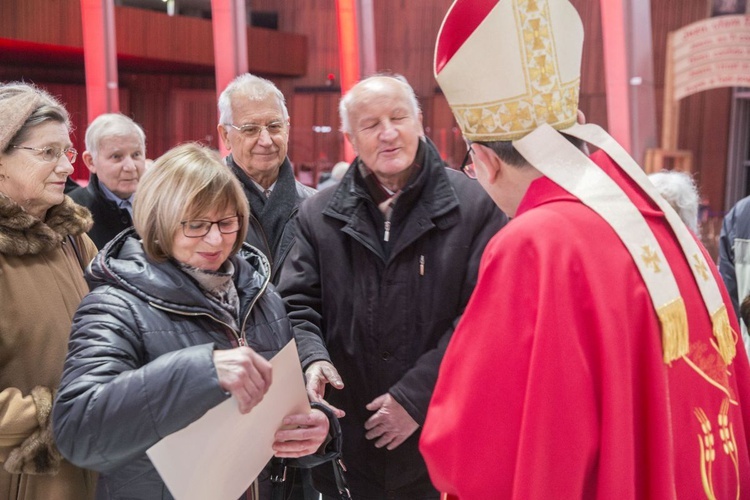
(725, 336)
(674, 330)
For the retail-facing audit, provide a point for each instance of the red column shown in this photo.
(349, 65)
(100, 57)
(229, 21)
(614, 34)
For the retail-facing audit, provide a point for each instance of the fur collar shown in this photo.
(23, 234)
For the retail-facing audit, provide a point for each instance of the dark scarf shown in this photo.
(378, 193)
(272, 212)
(24, 234)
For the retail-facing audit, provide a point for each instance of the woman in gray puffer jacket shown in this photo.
(181, 317)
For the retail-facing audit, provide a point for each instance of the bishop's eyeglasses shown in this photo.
(198, 228)
(467, 166)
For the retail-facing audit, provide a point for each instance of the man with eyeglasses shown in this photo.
(116, 157)
(382, 268)
(597, 357)
(254, 127)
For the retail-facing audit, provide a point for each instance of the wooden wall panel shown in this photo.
(55, 22)
(193, 117)
(316, 20)
(406, 31)
(144, 34)
(704, 117)
(405, 37)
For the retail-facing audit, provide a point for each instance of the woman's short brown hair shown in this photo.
(187, 182)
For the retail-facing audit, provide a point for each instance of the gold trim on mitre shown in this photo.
(524, 61)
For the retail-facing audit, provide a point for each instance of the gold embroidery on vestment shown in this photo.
(651, 258)
(708, 451)
(700, 266)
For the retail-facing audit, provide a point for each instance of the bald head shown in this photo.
(381, 119)
(369, 88)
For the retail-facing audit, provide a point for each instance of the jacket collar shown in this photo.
(24, 234)
(123, 264)
(430, 189)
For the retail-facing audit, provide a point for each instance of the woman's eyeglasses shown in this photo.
(53, 153)
(198, 228)
(467, 166)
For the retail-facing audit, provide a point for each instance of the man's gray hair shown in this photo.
(250, 87)
(346, 102)
(679, 189)
(111, 125)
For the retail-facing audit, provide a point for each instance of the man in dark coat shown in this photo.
(734, 259)
(254, 126)
(383, 266)
(116, 157)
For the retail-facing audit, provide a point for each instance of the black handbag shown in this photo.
(332, 454)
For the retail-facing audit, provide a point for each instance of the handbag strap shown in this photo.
(279, 465)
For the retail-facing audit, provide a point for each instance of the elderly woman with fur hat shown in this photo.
(43, 247)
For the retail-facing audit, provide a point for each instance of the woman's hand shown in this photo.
(311, 429)
(244, 374)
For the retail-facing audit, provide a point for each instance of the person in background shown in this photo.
(597, 356)
(337, 173)
(71, 185)
(43, 247)
(734, 258)
(382, 268)
(179, 307)
(116, 157)
(254, 127)
(679, 189)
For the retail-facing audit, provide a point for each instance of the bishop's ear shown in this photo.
(487, 161)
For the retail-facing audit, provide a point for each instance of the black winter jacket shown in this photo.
(384, 313)
(140, 362)
(109, 219)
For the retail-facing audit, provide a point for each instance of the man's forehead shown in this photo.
(379, 102)
(115, 141)
(247, 110)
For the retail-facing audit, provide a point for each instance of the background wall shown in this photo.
(174, 98)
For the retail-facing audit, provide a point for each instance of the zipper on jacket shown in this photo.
(241, 340)
(252, 304)
(241, 337)
(387, 234)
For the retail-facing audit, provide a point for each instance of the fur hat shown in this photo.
(17, 103)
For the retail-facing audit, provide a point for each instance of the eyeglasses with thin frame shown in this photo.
(53, 153)
(198, 228)
(253, 130)
(467, 166)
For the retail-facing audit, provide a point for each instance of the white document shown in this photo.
(219, 455)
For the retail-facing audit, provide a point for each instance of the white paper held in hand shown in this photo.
(219, 455)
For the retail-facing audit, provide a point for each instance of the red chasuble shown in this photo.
(553, 385)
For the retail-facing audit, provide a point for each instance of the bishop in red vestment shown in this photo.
(566, 377)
